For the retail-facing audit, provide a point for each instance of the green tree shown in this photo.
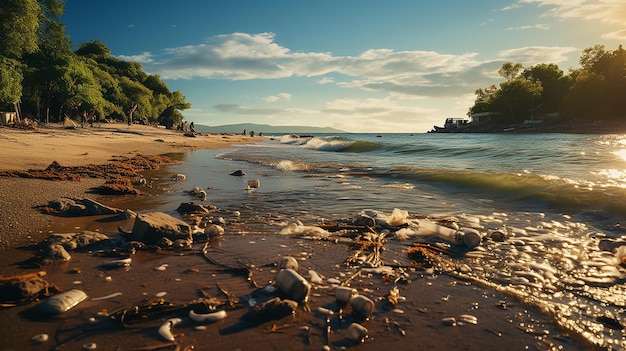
(10, 82)
(510, 70)
(172, 116)
(137, 98)
(19, 23)
(518, 97)
(45, 68)
(555, 85)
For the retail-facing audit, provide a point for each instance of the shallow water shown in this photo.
(558, 198)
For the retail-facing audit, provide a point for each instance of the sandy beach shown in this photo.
(420, 321)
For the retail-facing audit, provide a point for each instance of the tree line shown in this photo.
(595, 91)
(43, 78)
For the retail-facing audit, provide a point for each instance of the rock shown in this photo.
(82, 207)
(191, 207)
(95, 208)
(55, 253)
(365, 221)
(213, 230)
(73, 241)
(149, 228)
(12, 292)
(238, 173)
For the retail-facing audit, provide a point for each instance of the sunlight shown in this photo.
(621, 153)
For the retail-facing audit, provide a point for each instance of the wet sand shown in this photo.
(416, 322)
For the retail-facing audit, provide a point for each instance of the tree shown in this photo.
(510, 70)
(93, 49)
(136, 98)
(555, 85)
(10, 82)
(19, 23)
(519, 96)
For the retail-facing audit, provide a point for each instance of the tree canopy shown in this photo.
(39, 70)
(595, 91)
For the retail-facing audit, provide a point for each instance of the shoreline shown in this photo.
(417, 323)
(24, 150)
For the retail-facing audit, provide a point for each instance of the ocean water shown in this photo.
(560, 200)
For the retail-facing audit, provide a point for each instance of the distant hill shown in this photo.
(265, 128)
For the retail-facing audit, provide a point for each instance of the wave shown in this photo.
(527, 189)
(330, 143)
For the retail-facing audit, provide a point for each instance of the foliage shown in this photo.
(19, 22)
(596, 91)
(10, 81)
(39, 68)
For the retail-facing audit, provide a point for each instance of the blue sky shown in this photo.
(356, 65)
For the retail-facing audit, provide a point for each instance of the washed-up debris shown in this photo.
(362, 306)
(166, 328)
(275, 308)
(125, 262)
(292, 285)
(345, 294)
(356, 332)
(25, 288)
(207, 317)
(179, 177)
(63, 302)
(40, 338)
(254, 184)
(468, 237)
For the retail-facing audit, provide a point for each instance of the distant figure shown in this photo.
(260, 134)
(244, 132)
(192, 128)
(185, 127)
(252, 133)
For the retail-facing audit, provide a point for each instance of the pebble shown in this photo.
(468, 319)
(333, 281)
(39, 338)
(160, 294)
(90, 346)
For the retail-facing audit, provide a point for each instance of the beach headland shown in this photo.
(421, 320)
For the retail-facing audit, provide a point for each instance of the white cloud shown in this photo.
(240, 56)
(280, 96)
(618, 34)
(537, 54)
(605, 11)
(144, 57)
(326, 80)
(536, 26)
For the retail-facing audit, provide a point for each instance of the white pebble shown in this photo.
(39, 338)
(90, 346)
(161, 294)
(333, 281)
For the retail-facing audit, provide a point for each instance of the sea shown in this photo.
(557, 203)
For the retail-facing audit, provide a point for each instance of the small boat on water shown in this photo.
(452, 125)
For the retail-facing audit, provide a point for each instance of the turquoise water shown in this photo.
(559, 198)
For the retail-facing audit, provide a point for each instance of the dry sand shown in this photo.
(417, 324)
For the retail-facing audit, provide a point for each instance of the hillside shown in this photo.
(265, 128)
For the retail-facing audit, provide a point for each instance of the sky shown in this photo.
(356, 65)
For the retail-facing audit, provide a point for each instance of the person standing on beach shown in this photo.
(192, 128)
